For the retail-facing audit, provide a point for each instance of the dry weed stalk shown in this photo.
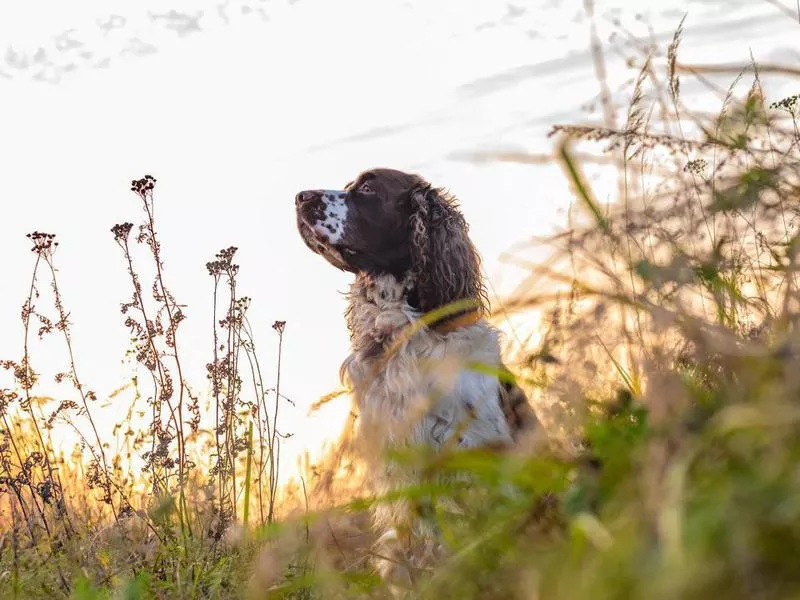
(155, 338)
(231, 406)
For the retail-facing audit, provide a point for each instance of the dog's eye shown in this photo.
(366, 188)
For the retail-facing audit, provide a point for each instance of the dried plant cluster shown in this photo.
(668, 374)
(54, 521)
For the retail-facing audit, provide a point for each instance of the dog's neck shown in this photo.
(380, 305)
(384, 292)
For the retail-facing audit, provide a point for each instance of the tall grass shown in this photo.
(668, 377)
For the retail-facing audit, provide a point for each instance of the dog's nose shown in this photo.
(305, 196)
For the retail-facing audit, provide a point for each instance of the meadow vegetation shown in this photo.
(667, 379)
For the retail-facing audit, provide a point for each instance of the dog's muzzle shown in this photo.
(324, 211)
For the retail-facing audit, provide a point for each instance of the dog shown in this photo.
(416, 314)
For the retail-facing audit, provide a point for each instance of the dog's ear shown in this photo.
(444, 262)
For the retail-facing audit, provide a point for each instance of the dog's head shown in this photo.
(387, 221)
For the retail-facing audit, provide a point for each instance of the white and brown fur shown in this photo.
(408, 246)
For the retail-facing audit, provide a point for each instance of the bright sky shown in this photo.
(234, 106)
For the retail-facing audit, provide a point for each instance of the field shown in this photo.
(667, 380)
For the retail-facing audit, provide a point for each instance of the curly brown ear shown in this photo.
(444, 261)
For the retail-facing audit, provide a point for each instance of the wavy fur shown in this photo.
(445, 263)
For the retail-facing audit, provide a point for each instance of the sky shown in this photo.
(235, 106)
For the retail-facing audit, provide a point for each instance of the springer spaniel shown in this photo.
(413, 376)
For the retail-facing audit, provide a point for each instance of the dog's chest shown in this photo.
(423, 387)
